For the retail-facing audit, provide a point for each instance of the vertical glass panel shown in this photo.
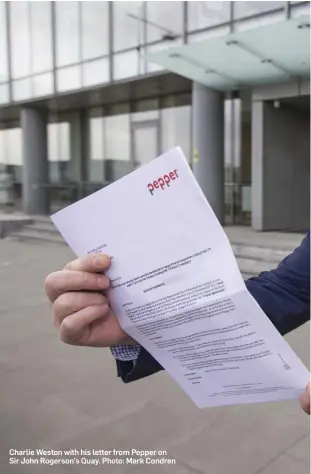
(58, 149)
(95, 72)
(205, 14)
(22, 89)
(67, 33)
(118, 137)
(43, 84)
(128, 24)
(125, 65)
(68, 78)
(164, 20)
(176, 129)
(4, 93)
(97, 150)
(3, 151)
(64, 141)
(14, 146)
(242, 9)
(20, 39)
(95, 29)
(118, 146)
(145, 143)
(4, 73)
(41, 35)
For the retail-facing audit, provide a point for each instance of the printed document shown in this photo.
(176, 287)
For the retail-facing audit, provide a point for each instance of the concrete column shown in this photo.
(35, 195)
(280, 167)
(208, 143)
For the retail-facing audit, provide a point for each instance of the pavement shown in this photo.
(54, 396)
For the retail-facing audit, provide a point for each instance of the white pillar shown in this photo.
(208, 142)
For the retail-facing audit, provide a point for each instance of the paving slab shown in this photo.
(58, 396)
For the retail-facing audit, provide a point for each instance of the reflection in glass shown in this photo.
(58, 150)
(22, 89)
(11, 146)
(20, 39)
(67, 33)
(176, 129)
(128, 26)
(95, 29)
(125, 65)
(97, 150)
(118, 147)
(68, 78)
(164, 20)
(206, 14)
(95, 72)
(118, 137)
(4, 93)
(242, 9)
(41, 36)
(145, 142)
(4, 73)
(43, 84)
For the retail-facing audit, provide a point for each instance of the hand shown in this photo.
(305, 400)
(81, 312)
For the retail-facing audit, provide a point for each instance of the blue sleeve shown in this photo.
(283, 294)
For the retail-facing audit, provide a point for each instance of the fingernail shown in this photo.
(101, 261)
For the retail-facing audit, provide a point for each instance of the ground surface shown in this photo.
(56, 396)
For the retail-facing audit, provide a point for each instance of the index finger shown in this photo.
(90, 263)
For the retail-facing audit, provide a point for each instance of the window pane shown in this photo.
(97, 155)
(64, 141)
(117, 132)
(14, 146)
(20, 38)
(176, 129)
(95, 72)
(166, 18)
(95, 29)
(22, 89)
(43, 84)
(58, 149)
(205, 14)
(127, 31)
(3, 152)
(4, 73)
(4, 93)
(242, 9)
(125, 65)
(67, 33)
(41, 33)
(69, 78)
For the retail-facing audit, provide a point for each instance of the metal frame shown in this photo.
(184, 35)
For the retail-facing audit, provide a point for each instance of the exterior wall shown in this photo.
(108, 41)
(281, 168)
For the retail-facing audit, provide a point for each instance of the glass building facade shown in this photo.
(54, 50)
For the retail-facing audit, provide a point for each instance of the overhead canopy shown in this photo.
(269, 54)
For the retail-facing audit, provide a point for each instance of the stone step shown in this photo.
(44, 227)
(29, 234)
(263, 254)
(249, 266)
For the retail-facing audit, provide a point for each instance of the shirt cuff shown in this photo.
(125, 352)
